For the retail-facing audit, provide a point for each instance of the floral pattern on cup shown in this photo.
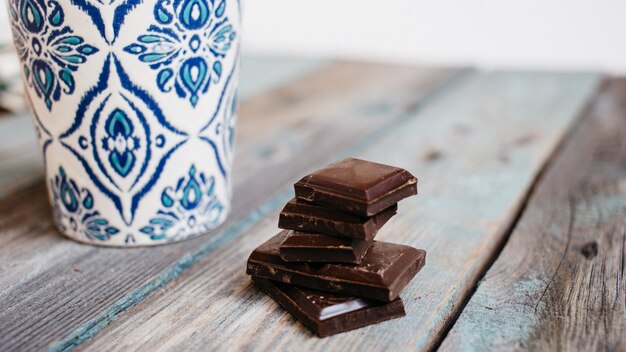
(50, 52)
(136, 134)
(73, 209)
(186, 45)
(189, 205)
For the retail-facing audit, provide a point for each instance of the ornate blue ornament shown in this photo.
(120, 142)
(73, 209)
(186, 45)
(49, 52)
(121, 138)
(190, 206)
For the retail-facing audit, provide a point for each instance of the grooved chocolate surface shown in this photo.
(384, 271)
(328, 313)
(312, 247)
(357, 186)
(304, 216)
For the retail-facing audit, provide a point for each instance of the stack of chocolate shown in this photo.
(325, 267)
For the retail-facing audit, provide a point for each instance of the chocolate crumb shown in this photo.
(432, 154)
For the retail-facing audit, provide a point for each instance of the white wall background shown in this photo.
(545, 34)
(542, 34)
(5, 32)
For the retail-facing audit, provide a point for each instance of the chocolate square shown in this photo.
(315, 248)
(328, 313)
(357, 186)
(308, 217)
(384, 271)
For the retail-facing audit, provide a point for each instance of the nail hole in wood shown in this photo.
(590, 250)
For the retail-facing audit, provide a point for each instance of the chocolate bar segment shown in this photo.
(357, 186)
(384, 271)
(303, 216)
(328, 313)
(315, 248)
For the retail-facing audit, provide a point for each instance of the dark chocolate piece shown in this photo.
(315, 248)
(328, 313)
(384, 271)
(357, 186)
(303, 216)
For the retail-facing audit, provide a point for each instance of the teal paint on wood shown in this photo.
(469, 210)
(130, 299)
(559, 283)
(492, 133)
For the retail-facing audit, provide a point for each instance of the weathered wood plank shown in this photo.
(476, 147)
(20, 160)
(92, 286)
(11, 88)
(261, 74)
(559, 284)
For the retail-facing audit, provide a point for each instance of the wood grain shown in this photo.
(92, 286)
(476, 147)
(559, 284)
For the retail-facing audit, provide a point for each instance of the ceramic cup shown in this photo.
(134, 102)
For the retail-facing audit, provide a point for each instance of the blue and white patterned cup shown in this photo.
(134, 102)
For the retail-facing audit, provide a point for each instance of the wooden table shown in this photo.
(522, 210)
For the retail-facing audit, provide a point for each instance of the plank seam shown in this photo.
(572, 221)
(521, 207)
(101, 321)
